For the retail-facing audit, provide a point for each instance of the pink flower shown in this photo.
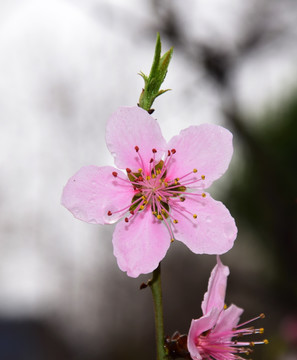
(210, 337)
(160, 197)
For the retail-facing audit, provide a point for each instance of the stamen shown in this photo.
(114, 173)
(136, 148)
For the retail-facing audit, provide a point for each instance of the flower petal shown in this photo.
(214, 230)
(228, 319)
(141, 244)
(216, 290)
(129, 127)
(207, 148)
(93, 191)
(198, 327)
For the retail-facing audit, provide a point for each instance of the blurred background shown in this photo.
(65, 66)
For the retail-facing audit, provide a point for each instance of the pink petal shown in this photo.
(214, 230)
(141, 244)
(129, 127)
(215, 295)
(228, 319)
(197, 327)
(207, 148)
(93, 191)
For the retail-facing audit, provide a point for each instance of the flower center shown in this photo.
(214, 344)
(153, 188)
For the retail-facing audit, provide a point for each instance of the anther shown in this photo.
(225, 307)
(109, 213)
(114, 173)
(262, 316)
(128, 170)
(148, 177)
(195, 170)
(140, 178)
(203, 177)
(195, 216)
(132, 212)
(151, 160)
(182, 199)
(140, 170)
(252, 343)
(175, 221)
(203, 195)
(126, 220)
(159, 217)
(265, 341)
(136, 148)
(173, 151)
(171, 240)
(141, 207)
(168, 153)
(154, 150)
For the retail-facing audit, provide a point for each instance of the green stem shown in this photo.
(155, 285)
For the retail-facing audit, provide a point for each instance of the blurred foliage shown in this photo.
(264, 195)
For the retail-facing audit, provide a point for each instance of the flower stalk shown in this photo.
(155, 285)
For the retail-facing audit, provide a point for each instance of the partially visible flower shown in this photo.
(216, 335)
(161, 197)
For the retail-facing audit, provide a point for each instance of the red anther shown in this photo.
(128, 170)
(136, 148)
(154, 150)
(140, 178)
(114, 173)
(132, 212)
(109, 213)
(126, 219)
(153, 160)
(169, 153)
(173, 151)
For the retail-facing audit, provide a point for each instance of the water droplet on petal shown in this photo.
(228, 231)
(208, 219)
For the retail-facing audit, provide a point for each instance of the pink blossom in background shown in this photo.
(160, 195)
(215, 334)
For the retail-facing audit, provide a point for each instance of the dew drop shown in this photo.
(110, 219)
(228, 231)
(208, 219)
